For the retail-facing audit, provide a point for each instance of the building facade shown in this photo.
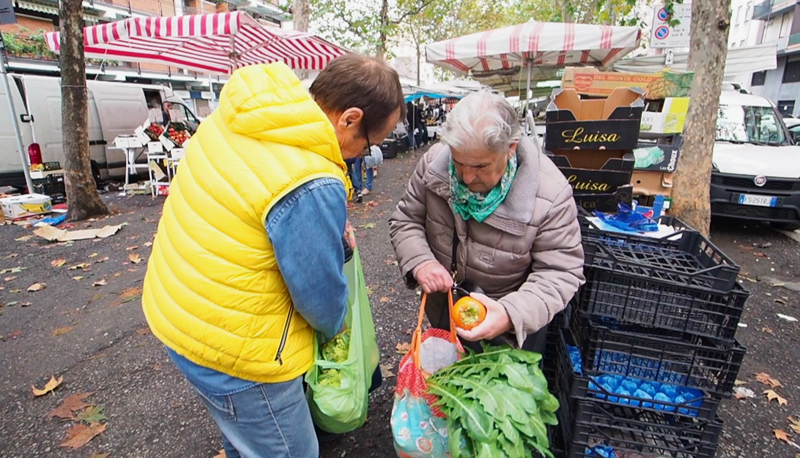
(28, 53)
(777, 24)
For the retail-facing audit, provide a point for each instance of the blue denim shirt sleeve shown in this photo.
(306, 229)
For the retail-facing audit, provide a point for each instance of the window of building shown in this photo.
(786, 24)
(749, 11)
(786, 107)
(791, 73)
(741, 44)
(758, 78)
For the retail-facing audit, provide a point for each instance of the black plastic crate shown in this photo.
(602, 428)
(589, 386)
(691, 361)
(662, 304)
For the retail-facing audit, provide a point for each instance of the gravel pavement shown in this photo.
(97, 339)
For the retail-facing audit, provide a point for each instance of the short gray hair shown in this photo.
(481, 120)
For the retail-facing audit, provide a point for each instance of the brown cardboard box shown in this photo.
(651, 183)
(610, 123)
(590, 81)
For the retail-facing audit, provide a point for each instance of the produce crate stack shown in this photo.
(649, 348)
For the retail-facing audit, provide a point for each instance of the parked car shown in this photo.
(756, 171)
(114, 109)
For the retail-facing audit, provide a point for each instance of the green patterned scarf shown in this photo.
(476, 205)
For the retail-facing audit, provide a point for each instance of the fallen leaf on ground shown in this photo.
(92, 414)
(766, 379)
(373, 203)
(12, 255)
(93, 255)
(131, 248)
(13, 334)
(384, 299)
(739, 382)
(48, 387)
(69, 405)
(788, 318)
(9, 278)
(779, 301)
(36, 287)
(58, 262)
(13, 270)
(762, 245)
(369, 291)
(147, 244)
(144, 331)
(25, 304)
(82, 265)
(745, 247)
(773, 395)
(386, 371)
(794, 424)
(77, 278)
(24, 238)
(81, 434)
(135, 258)
(767, 330)
(760, 255)
(12, 303)
(101, 282)
(221, 454)
(741, 392)
(100, 455)
(781, 435)
(61, 331)
(403, 348)
(369, 226)
(103, 259)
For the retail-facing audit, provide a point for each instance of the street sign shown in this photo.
(7, 12)
(665, 36)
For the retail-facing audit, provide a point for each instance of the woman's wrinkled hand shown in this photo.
(434, 278)
(496, 322)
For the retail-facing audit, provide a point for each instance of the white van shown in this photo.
(756, 171)
(114, 109)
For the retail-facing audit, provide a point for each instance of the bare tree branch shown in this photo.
(412, 12)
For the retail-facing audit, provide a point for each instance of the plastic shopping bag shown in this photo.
(419, 428)
(343, 408)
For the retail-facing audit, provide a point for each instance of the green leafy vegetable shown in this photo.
(497, 404)
(335, 351)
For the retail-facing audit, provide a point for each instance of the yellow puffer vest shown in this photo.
(213, 291)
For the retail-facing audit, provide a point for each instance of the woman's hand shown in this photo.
(496, 322)
(434, 278)
(350, 234)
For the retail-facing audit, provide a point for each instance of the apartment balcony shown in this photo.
(792, 45)
(769, 8)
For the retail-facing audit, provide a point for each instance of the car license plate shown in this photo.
(758, 201)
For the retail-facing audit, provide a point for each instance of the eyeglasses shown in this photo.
(365, 133)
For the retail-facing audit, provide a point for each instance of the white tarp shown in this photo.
(740, 61)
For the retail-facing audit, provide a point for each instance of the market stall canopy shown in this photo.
(209, 43)
(740, 61)
(429, 94)
(496, 57)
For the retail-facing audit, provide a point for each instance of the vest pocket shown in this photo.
(285, 335)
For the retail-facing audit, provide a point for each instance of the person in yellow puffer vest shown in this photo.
(248, 258)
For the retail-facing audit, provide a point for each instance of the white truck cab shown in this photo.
(756, 171)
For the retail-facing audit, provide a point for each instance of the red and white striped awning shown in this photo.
(544, 45)
(208, 43)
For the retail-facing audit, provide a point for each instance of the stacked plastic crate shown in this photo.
(647, 349)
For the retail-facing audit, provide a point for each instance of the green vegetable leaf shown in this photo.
(549, 403)
(518, 377)
(549, 418)
(454, 440)
(511, 442)
(478, 424)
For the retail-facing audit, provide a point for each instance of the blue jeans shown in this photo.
(354, 168)
(269, 420)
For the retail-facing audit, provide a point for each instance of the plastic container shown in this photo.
(664, 304)
(589, 386)
(691, 361)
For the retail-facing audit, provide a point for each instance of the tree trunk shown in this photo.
(380, 50)
(82, 198)
(691, 185)
(301, 12)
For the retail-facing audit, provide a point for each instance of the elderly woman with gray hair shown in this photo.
(488, 213)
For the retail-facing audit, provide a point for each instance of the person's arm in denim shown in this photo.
(306, 229)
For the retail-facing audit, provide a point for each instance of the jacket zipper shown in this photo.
(284, 336)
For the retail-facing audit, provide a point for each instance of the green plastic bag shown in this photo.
(344, 408)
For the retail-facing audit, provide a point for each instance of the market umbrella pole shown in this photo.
(14, 121)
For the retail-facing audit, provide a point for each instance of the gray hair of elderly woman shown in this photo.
(481, 121)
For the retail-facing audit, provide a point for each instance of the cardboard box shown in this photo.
(651, 183)
(127, 141)
(594, 172)
(15, 207)
(611, 123)
(590, 81)
(669, 120)
(155, 147)
(606, 202)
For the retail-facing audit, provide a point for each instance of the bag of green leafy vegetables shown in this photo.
(339, 380)
(496, 403)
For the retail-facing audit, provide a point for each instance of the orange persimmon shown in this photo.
(468, 313)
